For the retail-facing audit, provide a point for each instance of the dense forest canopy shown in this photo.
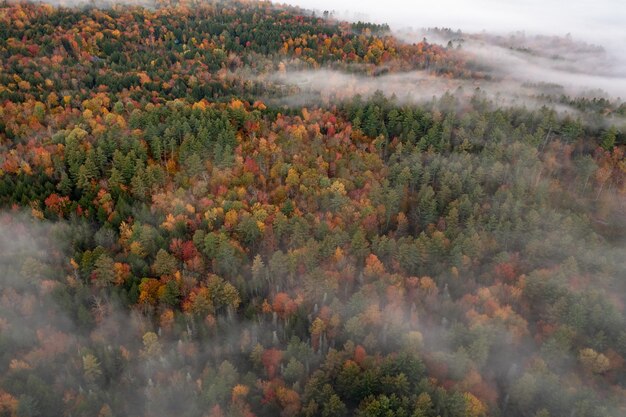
(225, 208)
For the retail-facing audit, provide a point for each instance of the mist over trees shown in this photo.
(187, 229)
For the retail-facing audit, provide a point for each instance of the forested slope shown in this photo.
(176, 241)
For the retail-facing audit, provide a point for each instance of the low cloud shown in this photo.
(597, 21)
(512, 70)
(579, 68)
(107, 354)
(577, 45)
(327, 87)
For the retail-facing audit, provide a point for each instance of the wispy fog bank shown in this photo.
(598, 22)
(517, 88)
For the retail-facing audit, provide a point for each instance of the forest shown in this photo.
(180, 237)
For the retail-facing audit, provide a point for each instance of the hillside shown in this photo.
(244, 209)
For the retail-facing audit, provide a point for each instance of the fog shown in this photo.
(116, 353)
(600, 21)
(522, 86)
(139, 366)
(580, 68)
(575, 44)
(549, 34)
(327, 86)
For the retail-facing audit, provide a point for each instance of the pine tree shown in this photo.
(608, 139)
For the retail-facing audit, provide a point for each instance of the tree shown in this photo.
(91, 368)
(289, 401)
(259, 273)
(608, 139)
(593, 361)
(104, 271)
(27, 407)
(427, 206)
(249, 230)
(334, 407)
(423, 406)
(271, 359)
(359, 246)
(169, 294)
(222, 294)
(88, 171)
(164, 263)
(294, 371)
(151, 345)
(138, 184)
(474, 407)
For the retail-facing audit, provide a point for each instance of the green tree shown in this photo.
(104, 270)
(608, 138)
(164, 263)
(359, 246)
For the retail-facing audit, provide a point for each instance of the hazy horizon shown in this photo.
(600, 22)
